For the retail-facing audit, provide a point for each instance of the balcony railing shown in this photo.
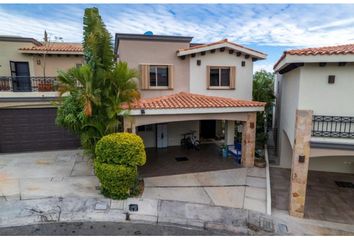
(333, 126)
(28, 84)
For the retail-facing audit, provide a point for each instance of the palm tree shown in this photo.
(80, 82)
(96, 91)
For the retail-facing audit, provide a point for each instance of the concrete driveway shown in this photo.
(237, 188)
(46, 174)
(50, 174)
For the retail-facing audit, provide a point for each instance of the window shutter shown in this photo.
(171, 74)
(144, 78)
(208, 77)
(232, 77)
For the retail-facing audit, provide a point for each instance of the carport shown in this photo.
(186, 109)
(325, 200)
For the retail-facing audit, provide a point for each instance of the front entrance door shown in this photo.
(161, 133)
(207, 129)
(21, 76)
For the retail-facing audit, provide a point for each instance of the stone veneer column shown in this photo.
(249, 140)
(300, 162)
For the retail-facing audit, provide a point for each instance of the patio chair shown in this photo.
(235, 151)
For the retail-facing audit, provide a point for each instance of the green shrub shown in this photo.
(117, 181)
(121, 148)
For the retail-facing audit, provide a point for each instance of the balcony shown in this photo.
(28, 84)
(333, 127)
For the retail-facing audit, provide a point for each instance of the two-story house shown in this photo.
(28, 70)
(203, 88)
(314, 118)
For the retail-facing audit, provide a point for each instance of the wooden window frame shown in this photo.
(232, 78)
(145, 77)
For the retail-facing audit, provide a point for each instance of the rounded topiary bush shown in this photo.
(121, 148)
(117, 181)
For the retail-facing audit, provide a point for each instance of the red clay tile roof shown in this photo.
(329, 50)
(191, 100)
(216, 43)
(57, 47)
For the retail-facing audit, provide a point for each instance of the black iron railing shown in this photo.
(332, 126)
(28, 84)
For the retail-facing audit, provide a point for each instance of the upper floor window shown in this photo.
(221, 77)
(157, 76)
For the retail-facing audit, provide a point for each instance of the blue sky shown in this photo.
(271, 28)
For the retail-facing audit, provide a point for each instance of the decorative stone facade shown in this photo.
(300, 162)
(249, 140)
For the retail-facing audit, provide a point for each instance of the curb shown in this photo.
(49, 210)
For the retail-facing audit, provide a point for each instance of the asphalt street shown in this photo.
(106, 229)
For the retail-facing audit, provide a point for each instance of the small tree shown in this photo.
(95, 92)
(263, 91)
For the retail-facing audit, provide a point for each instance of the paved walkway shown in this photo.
(237, 188)
(46, 174)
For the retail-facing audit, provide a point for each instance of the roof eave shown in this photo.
(177, 111)
(250, 52)
(51, 52)
(287, 59)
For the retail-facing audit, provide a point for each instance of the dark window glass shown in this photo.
(141, 128)
(159, 76)
(152, 76)
(225, 77)
(162, 76)
(214, 77)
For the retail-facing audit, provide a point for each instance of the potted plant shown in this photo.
(224, 150)
(259, 159)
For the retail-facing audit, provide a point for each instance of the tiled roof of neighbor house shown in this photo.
(329, 50)
(216, 43)
(191, 100)
(57, 47)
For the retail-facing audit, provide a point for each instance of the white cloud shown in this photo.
(29, 26)
(273, 25)
(261, 66)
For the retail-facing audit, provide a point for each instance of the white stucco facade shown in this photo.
(244, 74)
(307, 88)
(327, 99)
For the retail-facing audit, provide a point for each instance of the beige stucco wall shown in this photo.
(9, 52)
(244, 75)
(328, 99)
(55, 63)
(136, 52)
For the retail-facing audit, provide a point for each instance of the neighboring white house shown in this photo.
(315, 83)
